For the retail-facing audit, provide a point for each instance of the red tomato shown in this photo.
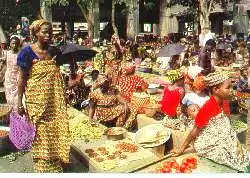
(192, 159)
(192, 165)
(172, 162)
(184, 161)
(183, 167)
(167, 164)
(166, 170)
(175, 165)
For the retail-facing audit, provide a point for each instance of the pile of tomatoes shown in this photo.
(172, 166)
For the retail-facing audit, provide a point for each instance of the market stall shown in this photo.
(128, 154)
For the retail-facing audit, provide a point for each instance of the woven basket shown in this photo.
(5, 110)
(140, 103)
(151, 110)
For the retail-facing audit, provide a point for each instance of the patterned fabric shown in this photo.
(222, 145)
(174, 75)
(36, 25)
(46, 166)
(46, 108)
(112, 70)
(11, 76)
(128, 68)
(109, 109)
(128, 84)
(215, 78)
(199, 83)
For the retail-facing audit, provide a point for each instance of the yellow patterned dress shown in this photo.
(46, 107)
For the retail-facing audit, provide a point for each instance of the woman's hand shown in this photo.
(21, 110)
(176, 152)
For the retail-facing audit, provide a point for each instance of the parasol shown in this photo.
(78, 52)
(171, 50)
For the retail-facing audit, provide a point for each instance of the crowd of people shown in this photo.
(198, 88)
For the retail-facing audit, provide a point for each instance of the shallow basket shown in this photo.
(5, 110)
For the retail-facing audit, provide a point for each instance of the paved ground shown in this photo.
(22, 163)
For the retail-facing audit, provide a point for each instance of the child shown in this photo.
(214, 137)
(173, 94)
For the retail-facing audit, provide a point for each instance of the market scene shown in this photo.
(124, 86)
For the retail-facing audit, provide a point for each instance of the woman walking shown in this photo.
(42, 83)
(11, 74)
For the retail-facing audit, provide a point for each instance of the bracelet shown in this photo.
(20, 107)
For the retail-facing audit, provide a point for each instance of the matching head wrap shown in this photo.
(215, 78)
(174, 75)
(128, 68)
(36, 25)
(199, 83)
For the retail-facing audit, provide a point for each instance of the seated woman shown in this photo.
(214, 137)
(173, 94)
(129, 82)
(76, 90)
(108, 107)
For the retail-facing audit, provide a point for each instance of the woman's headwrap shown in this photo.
(36, 25)
(128, 68)
(174, 75)
(215, 78)
(199, 83)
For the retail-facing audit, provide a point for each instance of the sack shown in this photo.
(22, 132)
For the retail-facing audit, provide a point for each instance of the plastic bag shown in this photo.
(22, 132)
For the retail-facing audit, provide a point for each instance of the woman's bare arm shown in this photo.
(192, 135)
(22, 80)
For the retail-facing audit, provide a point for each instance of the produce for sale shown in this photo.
(84, 130)
(185, 165)
(3, 133)
(239, 125)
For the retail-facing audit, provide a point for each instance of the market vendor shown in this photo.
(129, 82)
(213, 135)
(242, 85)
(173, 94)
(76, 91)
(108, 107)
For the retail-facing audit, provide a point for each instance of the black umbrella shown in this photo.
(78, 52)
(171, 50)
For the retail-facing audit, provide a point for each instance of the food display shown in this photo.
(84, 130)
(117, 155)
(239, 126)
(152, 135)
(116, 133)
(3, 133)
(186, 165)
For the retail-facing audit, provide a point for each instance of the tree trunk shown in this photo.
(113, 18)
(88, 15)
(205, 10)
(96, 11)
(133, 19)
(46, 11)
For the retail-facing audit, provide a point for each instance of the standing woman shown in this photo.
(42, 83)
(11, 74)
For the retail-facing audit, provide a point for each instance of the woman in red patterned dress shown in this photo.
(129, 82)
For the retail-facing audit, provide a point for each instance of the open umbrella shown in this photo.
(171, 50)
(77, 52)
